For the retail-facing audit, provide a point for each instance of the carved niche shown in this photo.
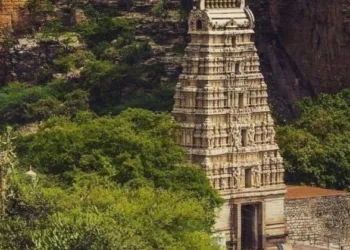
(199, 21)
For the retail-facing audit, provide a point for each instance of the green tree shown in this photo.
(94, 213)
(316, 147)
(160, 10)
(136, 148)
(15, 99)
(108, 183)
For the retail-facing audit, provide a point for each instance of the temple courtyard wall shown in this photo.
(318, 217)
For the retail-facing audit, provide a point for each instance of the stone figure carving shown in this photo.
(272, 158)
(280, 169)
(211, 140)
(258, 134)
(256, 172)
(279, 160)
(266, 159)
(264, 132)
(237, 177)
(206, 164)
(273, 161)
(270, 135)
(236, 137)
(251, 135)
(224, 184)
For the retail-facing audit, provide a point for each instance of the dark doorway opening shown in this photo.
(251, 227)
(248, 178)
(199, 25)
(240, 100)
(237, 71)
(244, 137)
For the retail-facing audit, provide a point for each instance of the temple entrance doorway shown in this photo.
(251, 226)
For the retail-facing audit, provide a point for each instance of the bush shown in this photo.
(73, 61)
(15, 100)
(104, 28)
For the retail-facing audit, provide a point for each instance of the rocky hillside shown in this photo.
(303, 45)
(29, 54)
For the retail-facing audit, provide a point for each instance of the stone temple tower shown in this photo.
(226, 126)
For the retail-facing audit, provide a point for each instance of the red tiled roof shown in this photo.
(304, 192)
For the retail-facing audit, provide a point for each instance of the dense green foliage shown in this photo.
(316, 147)
(21, 103)
(135, 148)
(94, 213)
(107, 183)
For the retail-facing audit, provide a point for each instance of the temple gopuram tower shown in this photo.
(226, 126)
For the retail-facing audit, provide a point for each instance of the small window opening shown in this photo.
(252, 37)
(244, 137)
(248, 178)
(199, 25)
(240, 100)
(234, 41)
(237, 68)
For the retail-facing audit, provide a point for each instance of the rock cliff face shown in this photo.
(316, 35)
(10, 11)
(304, 47)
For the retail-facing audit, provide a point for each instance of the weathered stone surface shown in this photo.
(10, 11)
(316, 35)
(318, 217)
(304, 48)
(26, 59)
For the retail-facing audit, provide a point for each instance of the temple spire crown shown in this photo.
(221, 4)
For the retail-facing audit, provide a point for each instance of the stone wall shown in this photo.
(319, 221)
(10, 11)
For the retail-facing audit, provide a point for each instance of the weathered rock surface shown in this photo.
(316, 35)
(304, 47)
(26, 61)
(167, 38)
(10, 11)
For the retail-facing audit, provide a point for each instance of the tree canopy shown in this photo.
(316, 146)
(107, 183)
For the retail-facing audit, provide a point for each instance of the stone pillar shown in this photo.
(238, 223)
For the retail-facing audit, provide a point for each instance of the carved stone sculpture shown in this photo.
(257, 176)
(251, 135)
(238, 178)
